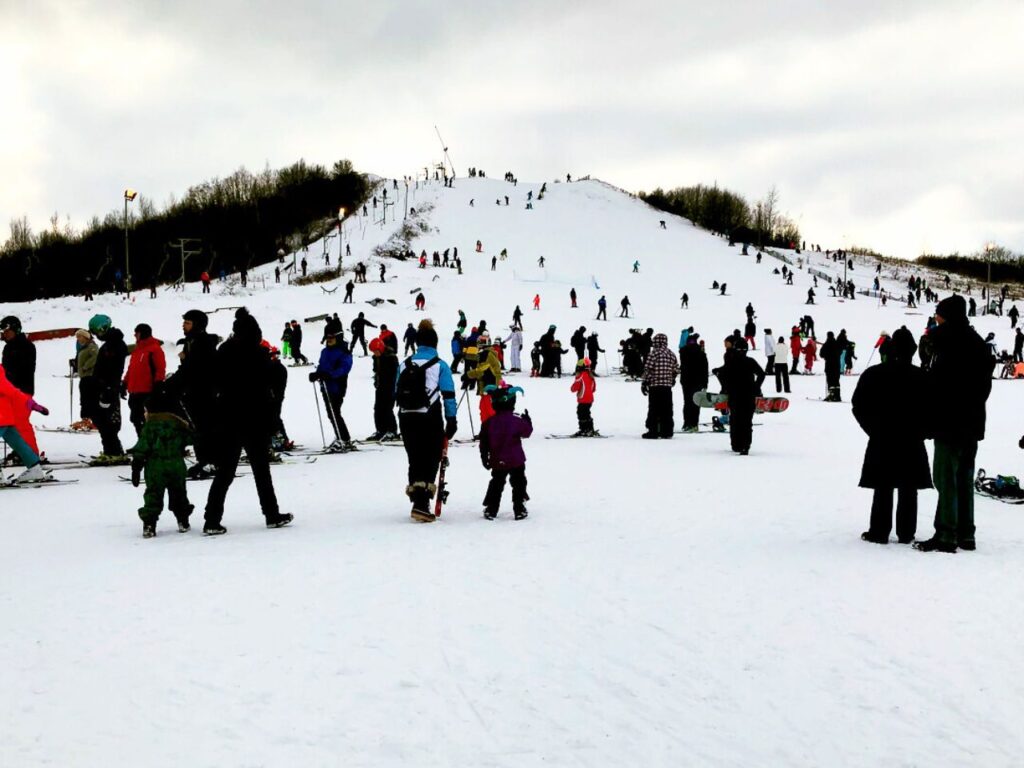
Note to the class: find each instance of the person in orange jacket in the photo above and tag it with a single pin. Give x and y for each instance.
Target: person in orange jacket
(796, 346)
(147, 367)
(15, 409)
(584, 386)
(205, 280)
(536, 301)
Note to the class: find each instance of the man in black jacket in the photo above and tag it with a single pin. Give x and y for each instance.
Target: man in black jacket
(385, 373)
(960, 380)
(830, 352)
(579, 342)
(693, 375)
(193, 384)
(108, 373)
(358, 328)
(19, 356)
(244, 387)
(741, 379)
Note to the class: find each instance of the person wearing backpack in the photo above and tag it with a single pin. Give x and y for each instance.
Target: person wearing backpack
(425, 393)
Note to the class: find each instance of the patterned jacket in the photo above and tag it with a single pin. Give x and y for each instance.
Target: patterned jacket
(662, 366)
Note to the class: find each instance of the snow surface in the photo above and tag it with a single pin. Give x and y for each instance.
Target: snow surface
(666, 603)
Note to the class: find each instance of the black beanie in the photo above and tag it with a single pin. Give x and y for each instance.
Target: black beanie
(952, 309)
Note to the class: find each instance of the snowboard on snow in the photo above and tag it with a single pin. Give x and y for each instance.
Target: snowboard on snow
(705, 399)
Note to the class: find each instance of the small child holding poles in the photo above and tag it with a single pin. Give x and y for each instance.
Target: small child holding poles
(584, 386)
(160, 451)
(501, 451)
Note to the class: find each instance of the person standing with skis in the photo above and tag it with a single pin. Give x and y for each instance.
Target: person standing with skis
(19, 355)
(385, 371)
(501, 451)
(332, 374)
(584, 386)
(830, 353)
(425, 393)
(15, 408)
(515, 342)
(109, 370)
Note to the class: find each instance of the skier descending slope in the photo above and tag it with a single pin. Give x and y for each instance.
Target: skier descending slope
(425, 393)
(243, 381)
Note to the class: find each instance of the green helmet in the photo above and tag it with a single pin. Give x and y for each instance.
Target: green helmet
(99, 324)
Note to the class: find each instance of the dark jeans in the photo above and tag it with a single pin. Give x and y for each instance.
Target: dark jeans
(137, 410)
(602, 313)
(108, 422)
(660, 419)
(423, 437)
(583, 416)
(361, 340)
(202, 414)
(333, 401)
(384, 410)
(297, 355)
(953, 474)
(741, 428)
(495, 488)
(257, 448)
(781, 377)
(906, 514)
(691, 411)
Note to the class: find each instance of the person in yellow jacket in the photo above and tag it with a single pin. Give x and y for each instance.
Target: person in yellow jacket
(485, 372)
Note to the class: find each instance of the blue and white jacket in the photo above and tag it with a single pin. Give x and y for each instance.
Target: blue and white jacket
(440, 383)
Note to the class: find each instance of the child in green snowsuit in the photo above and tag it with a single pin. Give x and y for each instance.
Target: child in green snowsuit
(161, 451)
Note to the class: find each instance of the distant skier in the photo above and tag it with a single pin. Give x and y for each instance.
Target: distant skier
(517, 317)
(572, 298)
(684, 301)
(536, 301)
(421, 302)
(810, 296)
(540, 262)
(625, 307)
(602, 308)
(722, 291)
(636, 267)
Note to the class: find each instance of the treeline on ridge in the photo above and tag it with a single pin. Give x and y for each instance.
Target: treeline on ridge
(237, 222)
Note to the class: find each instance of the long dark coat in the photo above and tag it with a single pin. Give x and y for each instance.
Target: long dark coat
(891, 404)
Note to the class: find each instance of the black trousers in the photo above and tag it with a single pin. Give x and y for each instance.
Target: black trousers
(137, 410)
(583, 416)
(691, 411)
(202, 414)
(361, 339)
(108, 422)
(257, 448)
(384, 410)
(660, 419)
(741, 427)
(423, 437)
(602, 313)
(333, 401)
(495, 488)
(781, 378)
(906, 513)
(297, 353)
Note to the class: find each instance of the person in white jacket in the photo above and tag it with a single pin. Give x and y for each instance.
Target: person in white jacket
(781, 366)
(769, 350)
(515, 342)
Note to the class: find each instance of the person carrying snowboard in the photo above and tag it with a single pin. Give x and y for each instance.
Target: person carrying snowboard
(425, 393)
(160, 452)
(584, 386)
(891, 405)
(501, 451)
(659, 378)
(741, 378)
(332, 373)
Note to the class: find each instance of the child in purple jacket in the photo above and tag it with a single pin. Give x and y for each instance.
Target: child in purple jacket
(501, 451)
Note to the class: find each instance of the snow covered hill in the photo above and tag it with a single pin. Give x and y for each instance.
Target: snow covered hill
(666, 602)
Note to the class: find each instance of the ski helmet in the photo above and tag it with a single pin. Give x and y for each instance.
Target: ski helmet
(100, 324)
(503, 398)
(10, 323)
(376, 345)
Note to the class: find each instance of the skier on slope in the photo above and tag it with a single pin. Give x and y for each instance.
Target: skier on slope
(625, 307)
(279, 440)
(602, 309)
(810, 350)
(517, 317)
(385, 371)
(584, 386)
(578, 342)
(593, 351)
(741, 377)
(501, 451)
(426, 416)
(659, 378)
(244, 408)
(515, 342)
(110, 363)
(830, 352)
(193, 384)
(693, 376)
(358, 329)
(84, 364)
(332, 372)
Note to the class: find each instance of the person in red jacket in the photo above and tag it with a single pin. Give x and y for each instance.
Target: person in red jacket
(15, 408)
(796, 346)
(584, 386)
(810, 354)
(147, 367)
(205, 280)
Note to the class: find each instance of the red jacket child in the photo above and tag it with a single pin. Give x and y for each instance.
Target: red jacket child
(584, 386)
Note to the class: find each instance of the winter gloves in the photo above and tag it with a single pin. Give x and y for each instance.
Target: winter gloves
(314, 376)
(450, 428)
(137, 472)
(34, 406)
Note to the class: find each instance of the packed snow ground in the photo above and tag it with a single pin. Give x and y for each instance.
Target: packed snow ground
(666, 603)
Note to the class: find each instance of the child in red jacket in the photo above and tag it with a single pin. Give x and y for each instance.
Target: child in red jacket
(584, 386)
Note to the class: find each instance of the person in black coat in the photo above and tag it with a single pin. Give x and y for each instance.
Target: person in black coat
(109, 371)
(830, 352)
(19, 356)
(890, 404)
(245, 402)
(741, 378)
(693, 376)
(193, 385)
(960, 381)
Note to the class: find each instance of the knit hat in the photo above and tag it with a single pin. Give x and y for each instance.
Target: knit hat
(426, 336)
(902, 344)
(952, 309)
(503, 398)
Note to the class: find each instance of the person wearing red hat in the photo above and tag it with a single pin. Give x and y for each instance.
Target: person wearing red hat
(385, 372)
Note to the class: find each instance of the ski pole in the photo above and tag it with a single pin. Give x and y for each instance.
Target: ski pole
(319, 417)
(71, 394)
(469, 409)
(330, 410)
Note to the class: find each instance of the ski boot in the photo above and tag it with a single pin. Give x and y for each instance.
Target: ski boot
(519, 510)
(717, 425)
(390, 437)
(420, 494)
(34, 474)
(279, 520)
(214, 529)
(375, 437)
(148, 530)
(183, 525)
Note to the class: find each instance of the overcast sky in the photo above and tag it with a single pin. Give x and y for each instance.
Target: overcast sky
(893, 125)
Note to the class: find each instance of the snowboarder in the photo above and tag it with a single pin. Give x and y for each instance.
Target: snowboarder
(147, 368)
(297, 356)
(244, 408)
(890, 403)
(584, 386)
(160, 451)
(19, 355)
(501, 451)
(358, 329)
(659, 378)
(425, 393)
(332, 373)
(693, 376)
(385, 371)
(741, 378)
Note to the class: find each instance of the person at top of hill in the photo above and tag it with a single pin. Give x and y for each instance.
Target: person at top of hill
(659, 377)
(891, 405)
(426, 417)
(741, 377)
(501, 451)
(584, 386)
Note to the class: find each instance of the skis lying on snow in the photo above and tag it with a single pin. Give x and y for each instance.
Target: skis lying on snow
(188, 479)
(576, 436)
(67, 430)
(8, 482)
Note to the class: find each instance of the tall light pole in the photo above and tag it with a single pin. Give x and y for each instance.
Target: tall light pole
(988, 281)
(129, 196)
(341, 236)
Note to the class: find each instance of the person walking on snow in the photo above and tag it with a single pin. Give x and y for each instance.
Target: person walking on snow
(625, 307)
(602, 309)
(536, 301)
(660, 371)
(636, 267)
(358, 328)
(501, 451)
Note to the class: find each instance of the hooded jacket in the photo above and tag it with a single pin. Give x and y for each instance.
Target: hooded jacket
(960, 379)
(662, 366)
(146, 367)
(110, 360)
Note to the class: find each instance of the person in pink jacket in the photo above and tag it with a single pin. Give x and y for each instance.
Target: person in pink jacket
(810, 354)
(15, 407)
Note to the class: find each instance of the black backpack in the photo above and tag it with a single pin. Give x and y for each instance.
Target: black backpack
(411, 393)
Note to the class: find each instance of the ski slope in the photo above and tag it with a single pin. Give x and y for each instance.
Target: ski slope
(666, 603)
